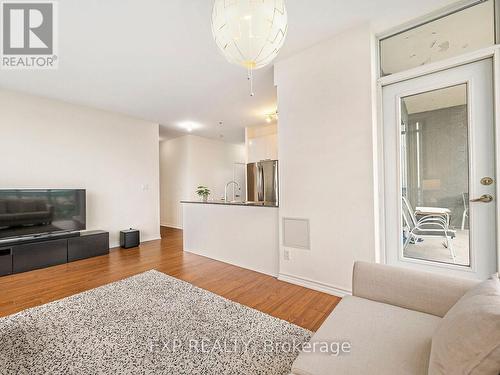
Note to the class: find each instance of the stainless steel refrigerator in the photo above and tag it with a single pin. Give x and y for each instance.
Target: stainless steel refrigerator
(263, 182)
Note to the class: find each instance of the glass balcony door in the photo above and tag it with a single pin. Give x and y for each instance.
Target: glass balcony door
(439, 167)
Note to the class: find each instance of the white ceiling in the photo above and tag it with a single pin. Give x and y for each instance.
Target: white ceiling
(437, 99)
(156, 59)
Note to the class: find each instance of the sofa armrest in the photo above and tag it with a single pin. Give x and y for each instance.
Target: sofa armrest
(415, 290)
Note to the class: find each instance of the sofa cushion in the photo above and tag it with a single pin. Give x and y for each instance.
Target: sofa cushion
(384, 339)
(14, 206)
(468, 338)
(3, 207)
(41, 206)
(28, 205)
(426, 292)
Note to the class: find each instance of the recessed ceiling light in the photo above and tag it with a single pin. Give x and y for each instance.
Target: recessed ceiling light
(189, 126)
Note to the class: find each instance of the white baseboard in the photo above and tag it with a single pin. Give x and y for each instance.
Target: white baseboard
(219, 259)
(315, 285)
(171, 225)
(154, 238)
(115, 244)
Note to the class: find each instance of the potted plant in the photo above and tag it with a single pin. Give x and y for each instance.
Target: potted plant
(203, 192)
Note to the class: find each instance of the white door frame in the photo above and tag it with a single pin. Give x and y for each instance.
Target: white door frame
(490, 52)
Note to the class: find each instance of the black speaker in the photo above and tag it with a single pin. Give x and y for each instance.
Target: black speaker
(129, 238)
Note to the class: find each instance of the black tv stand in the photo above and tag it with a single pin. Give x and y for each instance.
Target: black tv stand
(28, 253)
(37, 238)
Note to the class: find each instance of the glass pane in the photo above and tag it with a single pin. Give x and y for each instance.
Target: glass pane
(467, 30)
(435, 176)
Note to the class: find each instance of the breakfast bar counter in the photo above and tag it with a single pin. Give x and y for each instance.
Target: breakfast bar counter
(240, 233)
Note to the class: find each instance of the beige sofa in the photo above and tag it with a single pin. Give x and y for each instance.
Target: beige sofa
(389, 322)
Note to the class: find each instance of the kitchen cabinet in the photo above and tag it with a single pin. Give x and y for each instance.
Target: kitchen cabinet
(263, 148)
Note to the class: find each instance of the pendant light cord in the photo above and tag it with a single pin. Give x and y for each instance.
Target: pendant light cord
(250, 79)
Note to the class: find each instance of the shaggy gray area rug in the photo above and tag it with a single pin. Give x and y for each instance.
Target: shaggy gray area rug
(150, 323)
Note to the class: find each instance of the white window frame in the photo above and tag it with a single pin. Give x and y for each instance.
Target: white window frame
(434, 16)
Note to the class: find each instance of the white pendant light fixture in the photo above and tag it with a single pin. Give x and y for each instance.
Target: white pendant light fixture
(250, 33)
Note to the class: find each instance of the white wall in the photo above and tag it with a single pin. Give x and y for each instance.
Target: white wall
(174, 183)
(325, 97)
(50, 144)
(189, 161)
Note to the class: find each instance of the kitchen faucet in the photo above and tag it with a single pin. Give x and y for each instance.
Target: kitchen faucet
(234, 194)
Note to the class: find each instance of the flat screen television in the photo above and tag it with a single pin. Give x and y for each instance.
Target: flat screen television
(30, 212)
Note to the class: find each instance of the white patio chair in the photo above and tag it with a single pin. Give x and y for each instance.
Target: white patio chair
(432, 225)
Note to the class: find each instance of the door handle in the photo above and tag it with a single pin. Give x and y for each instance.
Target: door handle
(486, 198)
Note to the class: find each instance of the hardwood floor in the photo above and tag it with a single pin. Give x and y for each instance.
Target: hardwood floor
(301, 306)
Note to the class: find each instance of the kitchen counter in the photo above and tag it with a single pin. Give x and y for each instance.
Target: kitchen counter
(236, 233)
(246, 204)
